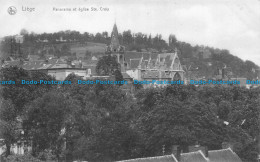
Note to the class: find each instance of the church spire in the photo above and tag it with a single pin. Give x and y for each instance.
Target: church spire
(114, 38)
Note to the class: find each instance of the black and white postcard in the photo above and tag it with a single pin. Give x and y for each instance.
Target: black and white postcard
(130, 81)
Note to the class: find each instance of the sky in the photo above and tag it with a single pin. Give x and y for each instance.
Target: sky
(223, 24)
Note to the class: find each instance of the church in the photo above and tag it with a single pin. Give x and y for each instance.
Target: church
(145, 65)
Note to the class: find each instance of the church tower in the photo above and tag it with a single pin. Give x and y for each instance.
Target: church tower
(114, 39)
(115, 49)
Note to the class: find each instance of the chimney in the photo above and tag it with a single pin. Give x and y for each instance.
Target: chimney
(206, 151)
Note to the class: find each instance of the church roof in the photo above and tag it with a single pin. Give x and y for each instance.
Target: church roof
(138, 55)
(134, 63)
(148, 60)
(167, 58)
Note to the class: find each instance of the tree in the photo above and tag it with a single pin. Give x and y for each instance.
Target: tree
(99, 38)
(104, 115)
(107, 65)
(184, 115)
(166, 130)
(108, 119)
(172, 41)
(48, 122)
(18, 93)
(24, 32)
(8, 124)
(127, 37)
(118, 76)
(13, 99)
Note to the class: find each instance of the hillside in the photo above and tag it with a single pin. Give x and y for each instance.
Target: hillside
(91, 47)
(200, 61)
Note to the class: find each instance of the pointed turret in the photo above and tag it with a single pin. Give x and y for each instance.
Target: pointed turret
(114, 39)
(115, 49)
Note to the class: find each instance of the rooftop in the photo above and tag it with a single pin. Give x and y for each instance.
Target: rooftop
(166, 158)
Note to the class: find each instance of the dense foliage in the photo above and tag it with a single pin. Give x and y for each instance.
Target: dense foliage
(107, 65)
(104, 123)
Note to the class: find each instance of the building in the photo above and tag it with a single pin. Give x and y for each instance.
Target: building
(116, 50)
(19, 38)
(159, 66)
(197, 156)
(166, 158)
(145, 65)
(223, 155)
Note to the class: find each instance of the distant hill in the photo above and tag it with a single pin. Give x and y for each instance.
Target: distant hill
(200, 61)
(206, 61)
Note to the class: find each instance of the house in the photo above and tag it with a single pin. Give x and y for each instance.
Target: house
(223, 155)
(166, 158)
(197, 156)
(19, 38)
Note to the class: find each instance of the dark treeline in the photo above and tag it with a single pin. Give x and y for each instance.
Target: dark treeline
(103, 123)
(133, 41)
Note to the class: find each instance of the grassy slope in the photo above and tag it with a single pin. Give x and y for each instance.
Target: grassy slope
(91, 47)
